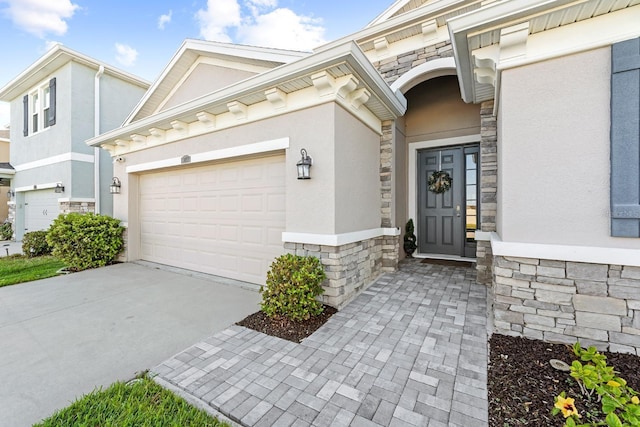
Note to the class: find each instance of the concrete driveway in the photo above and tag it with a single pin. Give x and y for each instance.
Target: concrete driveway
(62, 337)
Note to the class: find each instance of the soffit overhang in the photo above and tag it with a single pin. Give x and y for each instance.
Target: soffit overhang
(55, 58)
(342, 74)
(188, 54)
(507, 34)
(422, 20)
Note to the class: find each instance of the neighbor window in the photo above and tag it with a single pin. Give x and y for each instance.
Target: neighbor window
(40, 108)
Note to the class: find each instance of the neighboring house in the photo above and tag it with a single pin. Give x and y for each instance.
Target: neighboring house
(518, 101)
(56, 104)
(6, 175)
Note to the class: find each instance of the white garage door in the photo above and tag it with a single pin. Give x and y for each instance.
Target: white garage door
(225, 219)
(40, 209)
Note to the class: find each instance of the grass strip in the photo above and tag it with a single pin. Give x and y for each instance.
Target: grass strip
(19, 268)
(140, 403)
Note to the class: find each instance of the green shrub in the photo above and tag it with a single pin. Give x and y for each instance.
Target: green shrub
(34, 243)
(85, 240)
(293, 283)
(6, 232)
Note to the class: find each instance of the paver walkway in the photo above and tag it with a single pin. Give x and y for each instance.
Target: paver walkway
(410, 350)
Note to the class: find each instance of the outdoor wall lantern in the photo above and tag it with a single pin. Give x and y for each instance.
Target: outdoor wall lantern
(114, 188)
(304, 165)
(59, 188)
(10, 194)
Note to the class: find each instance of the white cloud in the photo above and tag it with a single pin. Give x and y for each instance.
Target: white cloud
(50, 44)
(126, 55)
(164, 20)
(259, 23)
(40, 17)
(217, 18)
(284, 29)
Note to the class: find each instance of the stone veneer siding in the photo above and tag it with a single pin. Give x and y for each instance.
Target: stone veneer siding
(393, 67)
(488, 189)
(78, 207)
(349, 268)
(563, 301)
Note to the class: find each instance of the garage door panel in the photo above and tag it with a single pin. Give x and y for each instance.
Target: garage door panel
(225, 219)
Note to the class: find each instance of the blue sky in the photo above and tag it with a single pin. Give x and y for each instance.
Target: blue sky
(141, 36)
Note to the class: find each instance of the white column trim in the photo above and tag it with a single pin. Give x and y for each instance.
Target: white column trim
(338, 239)
(224, 153)
(586, 254)
(430, 69)
(66, 157)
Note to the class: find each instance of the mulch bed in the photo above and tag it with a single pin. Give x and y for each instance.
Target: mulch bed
(284, 328)
(522, 384)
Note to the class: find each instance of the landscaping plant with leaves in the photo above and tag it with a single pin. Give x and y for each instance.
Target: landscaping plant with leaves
(85, 241)
(293, 283)
(620, 403)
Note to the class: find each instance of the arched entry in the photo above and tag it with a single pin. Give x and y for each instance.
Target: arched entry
(442, 133)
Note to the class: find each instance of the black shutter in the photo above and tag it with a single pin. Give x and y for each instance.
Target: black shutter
(625, 139)
(52, 101)
(25, 115)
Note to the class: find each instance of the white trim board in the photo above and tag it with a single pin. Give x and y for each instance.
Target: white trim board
(224, 153)
(36, 187)
(338, 239)
(586, 254)
(66, 157)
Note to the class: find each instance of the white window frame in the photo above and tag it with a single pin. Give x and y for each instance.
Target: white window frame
(42, 97)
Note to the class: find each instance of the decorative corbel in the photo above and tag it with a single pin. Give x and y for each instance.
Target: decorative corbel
(122, 143)
(180, 126)
(324, 83)
(359, 97)
(429, 30)
(485, 70)
(513, 41)
(346, 85)
(157, 133)
(238, 109)
(139, 139)
(381, 45)
(277, 98)
(208, 119)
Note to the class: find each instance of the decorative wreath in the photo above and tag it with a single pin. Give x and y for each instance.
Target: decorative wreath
(439, 182)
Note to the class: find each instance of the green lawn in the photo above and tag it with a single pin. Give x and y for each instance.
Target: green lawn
(142, 403)
(19, 269)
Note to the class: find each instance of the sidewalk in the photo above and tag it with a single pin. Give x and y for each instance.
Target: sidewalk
(410, 350)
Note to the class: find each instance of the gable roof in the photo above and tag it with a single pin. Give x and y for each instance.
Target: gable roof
(188, 54)
(343, 74)
(397, 8)
(55, 58)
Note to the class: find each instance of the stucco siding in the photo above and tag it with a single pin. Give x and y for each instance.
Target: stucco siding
(204, 78)
(82, 106)
(554, 152)
(51, 141)
(357, 174)
(312, 129)
(436, 111)
(117, 100)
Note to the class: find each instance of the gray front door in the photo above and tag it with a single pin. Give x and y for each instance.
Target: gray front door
(441, 215)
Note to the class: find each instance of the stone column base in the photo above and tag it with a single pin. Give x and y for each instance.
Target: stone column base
(563, 301)
(352, 267)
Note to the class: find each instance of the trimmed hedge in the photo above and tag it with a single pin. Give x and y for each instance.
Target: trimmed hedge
(293, 283)
(85, 241)
(34, 243)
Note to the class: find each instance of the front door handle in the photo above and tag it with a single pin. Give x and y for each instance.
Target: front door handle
(458, 210)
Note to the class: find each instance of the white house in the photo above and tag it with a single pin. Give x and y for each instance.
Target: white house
(527, 109)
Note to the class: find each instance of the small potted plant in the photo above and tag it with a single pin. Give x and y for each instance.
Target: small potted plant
(409, 239)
